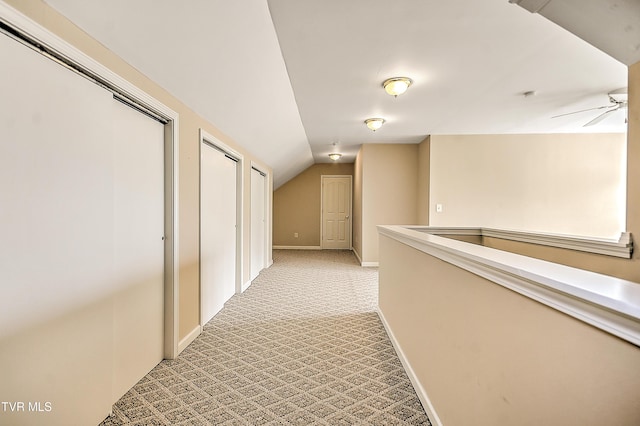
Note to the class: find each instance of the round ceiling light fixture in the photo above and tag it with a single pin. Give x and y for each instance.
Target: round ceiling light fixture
(397, 85)
(374, 123)
(335, 156)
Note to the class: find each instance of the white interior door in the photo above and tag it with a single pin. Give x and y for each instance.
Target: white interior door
(217, 230)
(336, 212)
(257, 222)
(139, 245)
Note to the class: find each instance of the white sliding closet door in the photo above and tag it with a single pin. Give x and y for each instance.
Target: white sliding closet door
(257, 222)
(217, 230)
(56, 244)
(139, 247)
(81, 252)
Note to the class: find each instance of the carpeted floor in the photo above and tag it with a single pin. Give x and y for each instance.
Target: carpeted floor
(303, 345)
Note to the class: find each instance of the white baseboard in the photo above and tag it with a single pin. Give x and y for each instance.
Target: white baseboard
(417, 386)
(364, 264)
(245, 286)
(189, 338)
(297, 248)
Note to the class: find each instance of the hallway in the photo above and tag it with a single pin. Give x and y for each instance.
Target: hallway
(303, 345)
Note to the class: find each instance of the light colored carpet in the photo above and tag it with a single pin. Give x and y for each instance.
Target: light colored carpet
(303, 345)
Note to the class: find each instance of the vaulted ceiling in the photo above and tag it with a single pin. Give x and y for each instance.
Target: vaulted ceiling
(288, 79)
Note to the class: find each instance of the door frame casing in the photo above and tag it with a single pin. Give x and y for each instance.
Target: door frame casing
(207, 138)
(350, 231)
(266, 218)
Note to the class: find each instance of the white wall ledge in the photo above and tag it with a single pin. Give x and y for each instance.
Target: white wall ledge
(622, 247)
(608, 303)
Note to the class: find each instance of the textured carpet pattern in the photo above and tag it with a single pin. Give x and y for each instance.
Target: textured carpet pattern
(303, 345)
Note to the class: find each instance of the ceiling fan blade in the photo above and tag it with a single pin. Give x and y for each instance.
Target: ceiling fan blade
(600, 117)
(583, 110)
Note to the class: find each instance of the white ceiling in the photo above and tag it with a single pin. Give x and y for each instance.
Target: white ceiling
(613, 26)
(287, 79)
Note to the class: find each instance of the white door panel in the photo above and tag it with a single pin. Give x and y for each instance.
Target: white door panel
(139, 245)
(257, 222)
(217, 230)
(336, 212)
(81, 215)
(56, 249)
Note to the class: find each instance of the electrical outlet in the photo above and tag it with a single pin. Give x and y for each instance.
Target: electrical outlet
(438, 208)
(295, 235)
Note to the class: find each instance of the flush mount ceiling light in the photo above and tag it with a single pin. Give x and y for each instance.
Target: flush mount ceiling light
(374, 123)
(397, 85)
(335, 156)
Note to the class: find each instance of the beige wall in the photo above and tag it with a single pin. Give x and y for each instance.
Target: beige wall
(389, 191)
(31, 372)
(628, 269)
(357, 206)
(296, 206)
(561, 183)
(608, 265)
(486, 355)
(424, 182)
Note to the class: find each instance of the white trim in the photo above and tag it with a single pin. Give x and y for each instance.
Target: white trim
(267, 216)
(417, 386)
(296, 248)
(364, 264)
(209, 138)
(189, 338)
(608, 303)
(246, 285)
(270, 212)
(172, 249)
(444, 230)
(65, 50)
(355, 252)
(622, 247)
